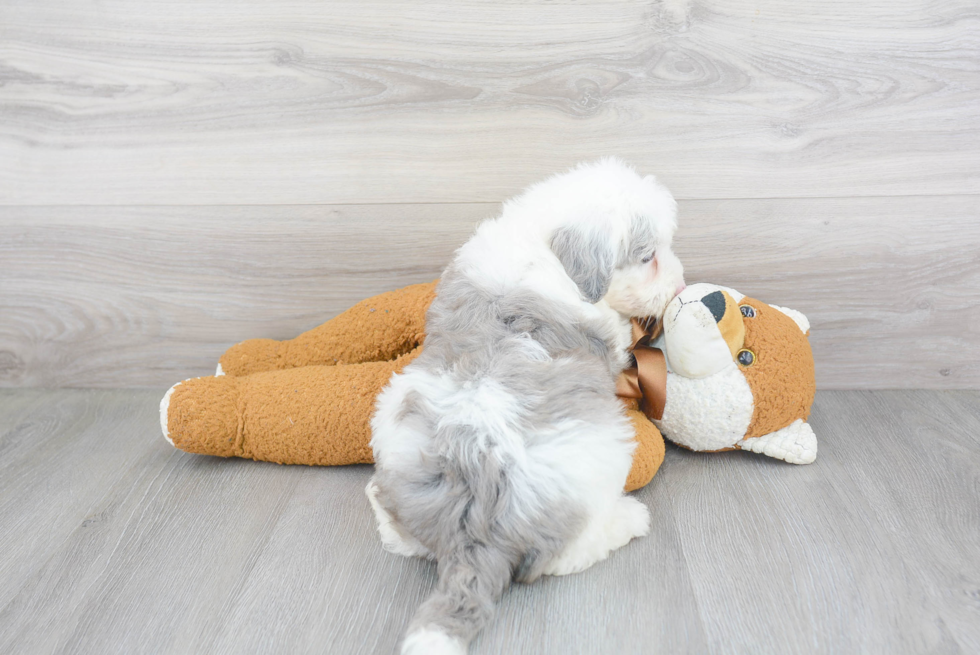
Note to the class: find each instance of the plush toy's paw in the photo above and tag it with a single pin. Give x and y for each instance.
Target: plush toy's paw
(252, 356)
(649, 453)
(796, 443)
(200, 415)
(165, 410)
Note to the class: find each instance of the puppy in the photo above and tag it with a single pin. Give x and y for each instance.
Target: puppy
(502, 451)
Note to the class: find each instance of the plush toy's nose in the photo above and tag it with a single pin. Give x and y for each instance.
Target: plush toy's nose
(715, 302)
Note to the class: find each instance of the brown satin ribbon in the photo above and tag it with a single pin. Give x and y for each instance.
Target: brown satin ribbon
(647, 381)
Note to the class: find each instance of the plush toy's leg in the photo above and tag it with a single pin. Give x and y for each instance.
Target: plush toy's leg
(376, 329)
(796, 443)
(314, 415)
(310, 415)
(649, 453)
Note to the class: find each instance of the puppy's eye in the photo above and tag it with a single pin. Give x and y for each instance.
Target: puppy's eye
(648, 258)
(745, 357)
(747, 311)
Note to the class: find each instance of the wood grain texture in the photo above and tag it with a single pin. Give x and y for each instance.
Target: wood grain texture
(891, 285)
(847, 567)
(924, 503)
(122, 296)
(114, 297)
(206, 102)
(121, 544)
(61, 454)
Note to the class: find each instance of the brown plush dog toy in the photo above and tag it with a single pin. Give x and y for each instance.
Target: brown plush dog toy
(723, 372)
(737, 375)
(309, 400)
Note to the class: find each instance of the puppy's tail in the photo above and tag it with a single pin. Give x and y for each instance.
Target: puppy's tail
(471, 580)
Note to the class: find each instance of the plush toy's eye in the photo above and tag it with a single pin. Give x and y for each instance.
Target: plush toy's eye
(648, 258)
(745, 357)
(748, 311)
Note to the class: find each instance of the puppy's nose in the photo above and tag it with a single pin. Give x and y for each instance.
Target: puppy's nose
(715, 302)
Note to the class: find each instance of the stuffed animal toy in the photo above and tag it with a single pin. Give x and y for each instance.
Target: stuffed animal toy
(736, 374)
(726, 372)
(309, 400)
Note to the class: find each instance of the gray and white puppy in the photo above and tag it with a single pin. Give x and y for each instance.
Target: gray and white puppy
(502, 451)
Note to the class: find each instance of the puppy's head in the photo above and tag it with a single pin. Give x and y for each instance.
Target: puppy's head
(614, 240)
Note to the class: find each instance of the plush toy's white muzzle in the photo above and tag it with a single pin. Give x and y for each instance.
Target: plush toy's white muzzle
(695, 345)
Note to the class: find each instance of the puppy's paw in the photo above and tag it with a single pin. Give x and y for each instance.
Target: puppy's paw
(569, 562)
(633, 520)
(628, 518)
(393, 538)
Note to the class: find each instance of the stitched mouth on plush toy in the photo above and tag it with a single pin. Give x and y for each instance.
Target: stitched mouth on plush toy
(680, 309)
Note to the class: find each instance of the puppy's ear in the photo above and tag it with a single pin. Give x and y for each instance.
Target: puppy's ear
(588, 259)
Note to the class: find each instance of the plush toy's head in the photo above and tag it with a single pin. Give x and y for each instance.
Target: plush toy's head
(738, 368)
(704, 330)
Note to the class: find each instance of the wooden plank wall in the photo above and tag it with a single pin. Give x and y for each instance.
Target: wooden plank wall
(175, 177)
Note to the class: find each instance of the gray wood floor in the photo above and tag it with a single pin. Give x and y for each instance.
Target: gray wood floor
(113, 542)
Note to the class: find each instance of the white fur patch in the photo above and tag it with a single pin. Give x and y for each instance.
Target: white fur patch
(218, 372)
(796, 443)
(707, 413)
(429, 641)
(604, 533)
(397, 440)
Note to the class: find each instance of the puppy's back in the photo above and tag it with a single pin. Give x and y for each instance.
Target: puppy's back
(506, 392)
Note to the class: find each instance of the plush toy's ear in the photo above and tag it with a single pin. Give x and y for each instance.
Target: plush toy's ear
(588, 258)
(797, 317)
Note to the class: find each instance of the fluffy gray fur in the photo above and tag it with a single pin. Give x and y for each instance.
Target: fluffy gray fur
(459, 503)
